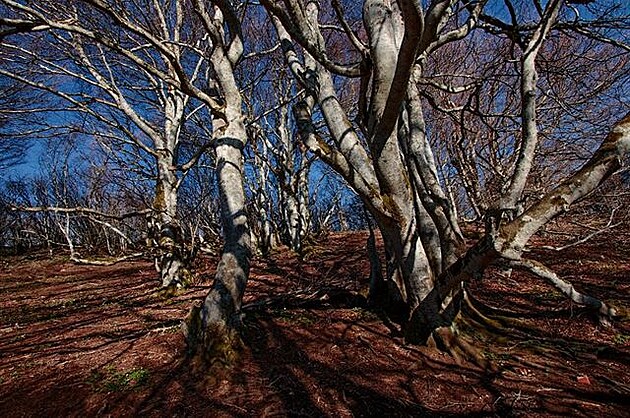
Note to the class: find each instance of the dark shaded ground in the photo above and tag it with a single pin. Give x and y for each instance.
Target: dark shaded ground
(98, 341)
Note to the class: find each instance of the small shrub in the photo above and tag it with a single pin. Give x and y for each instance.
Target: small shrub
(294, 317)
(621, 339)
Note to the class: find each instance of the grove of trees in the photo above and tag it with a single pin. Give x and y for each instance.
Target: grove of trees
(168, 126)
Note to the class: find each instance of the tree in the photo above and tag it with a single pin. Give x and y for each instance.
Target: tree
(278, 153)
(387, 157)
(136, 70)
(212, 328)
(149, 39)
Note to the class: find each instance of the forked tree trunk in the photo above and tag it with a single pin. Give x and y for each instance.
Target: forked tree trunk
(506, 241)
(425, 273)
(380, 179)
(409, 258)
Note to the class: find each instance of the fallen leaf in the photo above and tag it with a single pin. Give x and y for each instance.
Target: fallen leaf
(583, 379)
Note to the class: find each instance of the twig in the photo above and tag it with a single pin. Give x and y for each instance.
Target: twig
(80, 211)
(103, 262)
(288, 297)
(608, 226)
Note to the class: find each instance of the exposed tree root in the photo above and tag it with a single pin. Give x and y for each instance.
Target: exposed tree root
(448, 339)
(474, 316)
(481, 318)
(603, 311)
(466, 313)
(488, 317)
(442, 329)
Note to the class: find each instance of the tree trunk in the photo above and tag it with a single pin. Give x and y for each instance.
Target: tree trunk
(302, 192)
(165, 233)
(396, 176)
(263, 234)
(212, 329)
(293, 178)
(529, 129)
(164, 230)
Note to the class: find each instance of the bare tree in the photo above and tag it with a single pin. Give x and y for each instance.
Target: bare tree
(387, 158)
(135, 66)
(212, 328)
(144, 40)
(280, 154)
(369, 98)
(72, 203)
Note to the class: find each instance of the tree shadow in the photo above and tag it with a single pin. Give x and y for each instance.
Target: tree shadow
(297, 378)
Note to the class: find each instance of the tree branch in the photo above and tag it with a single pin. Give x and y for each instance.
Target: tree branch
(81, 211)
(605, 313)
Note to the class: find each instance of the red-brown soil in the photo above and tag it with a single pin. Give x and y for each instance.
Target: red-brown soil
(99, 341)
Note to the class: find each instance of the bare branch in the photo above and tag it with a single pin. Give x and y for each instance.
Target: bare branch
(82, 211)
(298, 29)
(605, 313)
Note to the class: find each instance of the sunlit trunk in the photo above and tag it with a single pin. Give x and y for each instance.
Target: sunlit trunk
(391, 167)
(264, 237)
(170, 259)
(212, 328)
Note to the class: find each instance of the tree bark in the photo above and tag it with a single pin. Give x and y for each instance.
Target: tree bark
(529, 128)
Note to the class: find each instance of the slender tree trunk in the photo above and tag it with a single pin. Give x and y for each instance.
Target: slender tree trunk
(164, 230)
(264, 239)
(293, 179)
(529, 129)
(301, 190)
(170, 258)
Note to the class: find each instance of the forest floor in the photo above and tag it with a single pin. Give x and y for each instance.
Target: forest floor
(80, 340)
